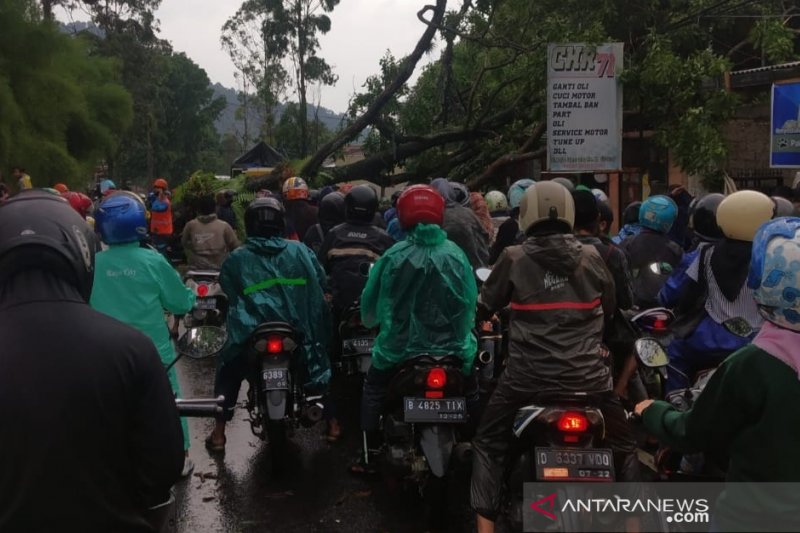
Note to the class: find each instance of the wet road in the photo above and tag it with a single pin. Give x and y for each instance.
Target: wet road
(238, 492)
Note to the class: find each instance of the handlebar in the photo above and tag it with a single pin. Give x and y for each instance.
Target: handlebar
(200, 407)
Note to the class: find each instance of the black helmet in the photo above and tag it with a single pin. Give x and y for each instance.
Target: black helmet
(704, 217)
(606, 214)
(331, 210)
(783, 207)
(631, 213)
(361, 203)
(39, 230)
(264, 217)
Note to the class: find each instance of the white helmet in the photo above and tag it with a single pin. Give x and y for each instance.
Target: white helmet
(496, 201)
(740, 214)
(600, 195)
(546, 201)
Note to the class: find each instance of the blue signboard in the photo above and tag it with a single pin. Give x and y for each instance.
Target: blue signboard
(785, 128)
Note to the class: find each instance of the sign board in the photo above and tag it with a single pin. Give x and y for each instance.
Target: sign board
(584, 107)
(785, 126)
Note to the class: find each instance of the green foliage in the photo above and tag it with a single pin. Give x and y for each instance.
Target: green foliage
(61, 110)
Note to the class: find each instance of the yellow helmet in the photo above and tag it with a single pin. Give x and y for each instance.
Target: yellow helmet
(740, 214)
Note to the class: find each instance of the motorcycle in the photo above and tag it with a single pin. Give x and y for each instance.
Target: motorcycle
(276, 399)
(211, 304)
(558, 437)
(653, 326)
(490, 339)
(426, 409)
(357, 343)
(357, 339)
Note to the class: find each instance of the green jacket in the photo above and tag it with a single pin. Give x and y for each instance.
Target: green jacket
(422, 294)
(135, 285)
(748, 411)
(278, 280)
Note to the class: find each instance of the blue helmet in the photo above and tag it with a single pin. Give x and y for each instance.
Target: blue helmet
(517, 191)
(121, 219)
(775, 271)
(658, 213)
(107, 185)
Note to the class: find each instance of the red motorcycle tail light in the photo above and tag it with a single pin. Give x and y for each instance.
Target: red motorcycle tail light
(274, 344)
(572, 422)
(437, 378)
(202, 290)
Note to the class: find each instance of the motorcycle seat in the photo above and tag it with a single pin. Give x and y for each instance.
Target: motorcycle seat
(556, 397)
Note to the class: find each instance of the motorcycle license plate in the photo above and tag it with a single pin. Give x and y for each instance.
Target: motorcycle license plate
(570, 464)
(425, 410)
(206, 304)
(276, 378)
(363, 345)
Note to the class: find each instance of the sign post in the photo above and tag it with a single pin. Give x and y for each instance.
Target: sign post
(584, 107)
(785, 126)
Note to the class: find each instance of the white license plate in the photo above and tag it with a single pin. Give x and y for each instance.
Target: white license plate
(426, 410)
(206, 304)
(275, 378)
(362, 345)
(573, 464)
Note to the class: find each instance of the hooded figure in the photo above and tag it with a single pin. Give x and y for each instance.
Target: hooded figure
(462, 226)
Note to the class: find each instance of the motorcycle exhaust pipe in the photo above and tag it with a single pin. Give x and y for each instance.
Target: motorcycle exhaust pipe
(311, 413)
(485, 357)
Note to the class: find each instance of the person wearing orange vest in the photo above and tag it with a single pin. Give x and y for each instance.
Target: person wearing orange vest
(160, 214)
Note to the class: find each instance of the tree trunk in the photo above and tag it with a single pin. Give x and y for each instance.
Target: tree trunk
(403, 74)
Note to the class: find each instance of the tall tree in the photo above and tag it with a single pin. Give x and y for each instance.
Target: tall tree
(61, 108)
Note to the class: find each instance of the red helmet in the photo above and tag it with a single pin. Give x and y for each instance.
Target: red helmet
(161, 183)
(420, 204)
(79, 202)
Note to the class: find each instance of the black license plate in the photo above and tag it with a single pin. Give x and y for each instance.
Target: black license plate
(426, 410)
(571, 464)
(275, 378)
(362, 345)
(206, 304)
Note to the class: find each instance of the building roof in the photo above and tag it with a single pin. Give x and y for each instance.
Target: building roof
(755, 77)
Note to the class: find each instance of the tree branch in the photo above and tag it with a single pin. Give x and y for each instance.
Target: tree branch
(404, 73)
(523, 154)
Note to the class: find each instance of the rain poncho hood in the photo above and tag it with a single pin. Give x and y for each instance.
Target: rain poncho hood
(277, 280)
(422, 294)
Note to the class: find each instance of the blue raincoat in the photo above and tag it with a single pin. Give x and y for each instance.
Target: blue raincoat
(278, 280)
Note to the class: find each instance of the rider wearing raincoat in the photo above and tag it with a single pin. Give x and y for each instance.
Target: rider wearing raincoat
(134, 284)
(422, 294)
(270, 279)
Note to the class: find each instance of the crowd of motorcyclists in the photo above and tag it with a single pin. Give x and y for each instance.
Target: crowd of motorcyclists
(562, 284)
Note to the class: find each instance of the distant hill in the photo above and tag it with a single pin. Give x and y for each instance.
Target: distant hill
(227, 122)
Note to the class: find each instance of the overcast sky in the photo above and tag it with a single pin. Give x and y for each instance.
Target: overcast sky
(362, 30)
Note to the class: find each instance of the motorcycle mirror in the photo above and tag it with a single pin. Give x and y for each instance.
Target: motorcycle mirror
(202, 341)
(364, 268)
(738, 326)
(661, 268)
(482, 273)
(651, 353)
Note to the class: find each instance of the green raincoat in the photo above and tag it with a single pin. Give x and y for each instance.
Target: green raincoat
(135, 285)
(278, 280)
(422, 294)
